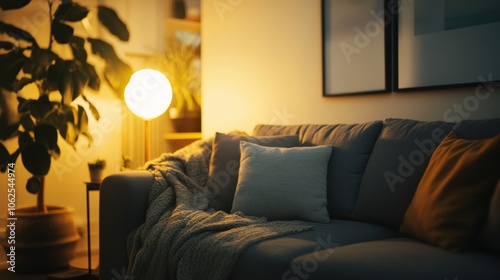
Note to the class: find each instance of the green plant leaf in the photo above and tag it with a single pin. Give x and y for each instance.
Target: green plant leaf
(77, 45)
(94, 80)
(80, 80)
(102, 49)
(24, 105)
(33, 185)
(110, 19)
(6, 45)
(116, 72)
(56, 152)
(27, 122)
(12, 63)
(4, 157)
(93, 109)
(69, 132)
(71, 80)
(46, 135)
(41, 108)
(83, 119)
(13, 4)
(64, 82)
(17, 33)
(62, 32)
(24, 140)
(51, 83)
(9, 117)
(70, 11)
(18, 85)
(36, 159)
(38, 63)
(89, 137)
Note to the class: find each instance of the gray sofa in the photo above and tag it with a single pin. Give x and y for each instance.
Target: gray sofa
(373, 174)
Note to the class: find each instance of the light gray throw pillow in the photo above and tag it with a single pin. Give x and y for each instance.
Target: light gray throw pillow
(283, 183)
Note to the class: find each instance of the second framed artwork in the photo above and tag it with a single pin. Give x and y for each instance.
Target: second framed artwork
(447, 43)
(399, 45)
(356, 47)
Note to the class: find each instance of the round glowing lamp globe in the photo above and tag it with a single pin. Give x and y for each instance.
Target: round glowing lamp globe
(148, 93)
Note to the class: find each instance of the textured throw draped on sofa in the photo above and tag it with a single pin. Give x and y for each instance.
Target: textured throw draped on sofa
(182, 238)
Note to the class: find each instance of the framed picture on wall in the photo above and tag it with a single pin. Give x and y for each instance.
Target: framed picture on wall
(356, 47)
(443, 43)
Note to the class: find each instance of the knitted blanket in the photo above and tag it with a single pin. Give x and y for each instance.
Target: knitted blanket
(182, 238)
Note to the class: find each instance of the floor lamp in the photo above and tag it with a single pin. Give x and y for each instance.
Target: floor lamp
(148, 95)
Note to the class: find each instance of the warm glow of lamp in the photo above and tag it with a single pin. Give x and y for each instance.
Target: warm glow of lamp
(148, 95)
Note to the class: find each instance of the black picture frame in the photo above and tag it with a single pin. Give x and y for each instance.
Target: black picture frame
(458, 44)
(373, 22)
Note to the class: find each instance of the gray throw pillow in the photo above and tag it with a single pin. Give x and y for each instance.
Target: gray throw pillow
(283, 183)
(225, 163)
(352, 145)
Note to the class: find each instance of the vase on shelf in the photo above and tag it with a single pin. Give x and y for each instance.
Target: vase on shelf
(179, 9)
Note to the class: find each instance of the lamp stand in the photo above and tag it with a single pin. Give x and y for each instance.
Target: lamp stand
(147, 138)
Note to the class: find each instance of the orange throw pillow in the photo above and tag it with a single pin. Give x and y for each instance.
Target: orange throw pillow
(451, 202)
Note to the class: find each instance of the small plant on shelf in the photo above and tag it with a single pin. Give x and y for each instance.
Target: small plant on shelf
(96, 168)
(97, 164)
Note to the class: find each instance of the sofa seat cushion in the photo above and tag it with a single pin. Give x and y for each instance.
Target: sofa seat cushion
(352, 145)
(395, 259)
(269, 259)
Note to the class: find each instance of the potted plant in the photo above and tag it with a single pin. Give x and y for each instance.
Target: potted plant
(181, 65)
(96, 169)
(46, 235)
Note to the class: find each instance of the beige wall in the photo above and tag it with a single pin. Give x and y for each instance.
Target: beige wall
(262, 64)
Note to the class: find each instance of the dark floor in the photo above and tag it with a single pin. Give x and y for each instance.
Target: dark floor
(64, 274)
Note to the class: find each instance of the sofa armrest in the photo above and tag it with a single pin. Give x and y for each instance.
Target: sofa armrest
(122, 208)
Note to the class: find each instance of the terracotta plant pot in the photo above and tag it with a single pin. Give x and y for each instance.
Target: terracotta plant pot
(43, 241)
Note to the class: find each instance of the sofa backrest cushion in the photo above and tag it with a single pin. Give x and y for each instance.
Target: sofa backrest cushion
(352, 145)
(398, 161)
(477, 129)
(225, 163)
